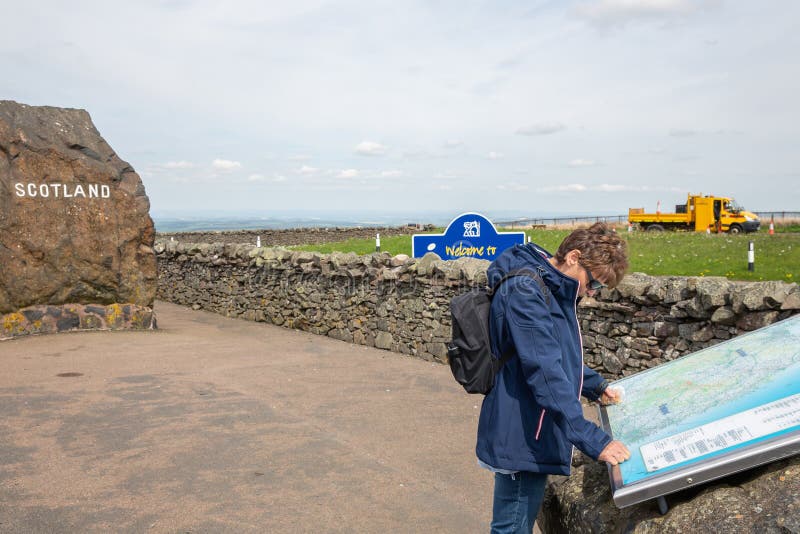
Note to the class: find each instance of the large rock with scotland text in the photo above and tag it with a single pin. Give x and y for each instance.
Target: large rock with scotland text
(74, 225)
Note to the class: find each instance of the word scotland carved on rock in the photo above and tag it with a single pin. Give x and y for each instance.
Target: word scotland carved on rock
(76, 236)
(61, 190)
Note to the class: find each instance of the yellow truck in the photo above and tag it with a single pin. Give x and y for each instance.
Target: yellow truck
(699, 214)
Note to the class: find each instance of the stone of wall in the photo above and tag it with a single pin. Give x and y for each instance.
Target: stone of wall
(648, 320)
(291, 236)
(402, 304)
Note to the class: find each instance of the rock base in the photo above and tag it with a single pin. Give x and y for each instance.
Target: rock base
(761, 500)
(46, 319)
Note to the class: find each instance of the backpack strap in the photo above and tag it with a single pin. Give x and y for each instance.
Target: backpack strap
(536, 275)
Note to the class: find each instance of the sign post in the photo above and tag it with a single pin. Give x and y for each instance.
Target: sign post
(470, 235)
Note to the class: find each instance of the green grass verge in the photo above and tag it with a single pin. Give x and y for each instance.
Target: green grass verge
(667, 253)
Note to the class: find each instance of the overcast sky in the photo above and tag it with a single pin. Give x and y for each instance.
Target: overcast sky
(528, 106)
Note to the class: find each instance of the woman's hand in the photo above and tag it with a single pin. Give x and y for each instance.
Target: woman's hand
(614, 453)
(611, 395)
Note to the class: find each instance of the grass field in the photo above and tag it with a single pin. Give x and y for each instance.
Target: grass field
(777, 257)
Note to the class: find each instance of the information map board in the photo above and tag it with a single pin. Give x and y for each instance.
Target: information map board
(709, 414)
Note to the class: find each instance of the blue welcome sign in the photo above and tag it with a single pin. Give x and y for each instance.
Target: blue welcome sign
(470, 235)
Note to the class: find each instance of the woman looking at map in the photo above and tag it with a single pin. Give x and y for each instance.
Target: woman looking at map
(533, 416)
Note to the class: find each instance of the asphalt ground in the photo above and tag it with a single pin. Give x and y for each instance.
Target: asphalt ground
(212, 424)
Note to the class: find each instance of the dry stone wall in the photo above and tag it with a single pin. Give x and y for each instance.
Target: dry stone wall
(401, 304)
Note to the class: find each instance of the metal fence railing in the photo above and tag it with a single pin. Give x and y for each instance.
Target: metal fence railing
(544, 221)
(767, 215)
(534, 222)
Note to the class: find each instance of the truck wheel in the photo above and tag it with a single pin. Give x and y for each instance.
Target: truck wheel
(735, 229)
(655, 228)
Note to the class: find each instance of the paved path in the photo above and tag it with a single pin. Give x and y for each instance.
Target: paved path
(219, 425)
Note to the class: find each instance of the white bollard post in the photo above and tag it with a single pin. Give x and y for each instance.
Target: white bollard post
(377, 242)
(751, 257)
(258, 241)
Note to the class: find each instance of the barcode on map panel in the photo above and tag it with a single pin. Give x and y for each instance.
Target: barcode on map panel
(723, 433)
(700, 447)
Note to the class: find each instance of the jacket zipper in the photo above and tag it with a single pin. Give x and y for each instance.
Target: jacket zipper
(541, 420)
(541, 417)
(580, 342)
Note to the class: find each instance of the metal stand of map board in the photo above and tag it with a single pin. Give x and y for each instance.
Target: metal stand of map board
(724, 409)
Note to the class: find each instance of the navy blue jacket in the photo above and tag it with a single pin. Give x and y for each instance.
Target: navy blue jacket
(533, 415)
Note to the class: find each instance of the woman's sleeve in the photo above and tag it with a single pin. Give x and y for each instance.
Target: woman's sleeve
(593, 384)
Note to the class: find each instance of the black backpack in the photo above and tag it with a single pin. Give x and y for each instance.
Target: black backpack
(470, 351)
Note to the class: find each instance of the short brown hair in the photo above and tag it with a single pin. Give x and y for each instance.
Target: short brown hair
(602, 252)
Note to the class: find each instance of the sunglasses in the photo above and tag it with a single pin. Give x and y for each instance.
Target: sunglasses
(593, 284)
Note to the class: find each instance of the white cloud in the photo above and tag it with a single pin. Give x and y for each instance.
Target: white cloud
(307, 170)
(178, 165)
(623, 11)
(613, 188)
(299, 157)
(421, 154)
(391, 174)
(495, 155)
(606, 188)
(682, 132)
(573, 188)
(453, 143)
(262, 178)
(545, 128)
(370, 148)
(581, 163)
(513, 186)
(225, 165)
(348, 173)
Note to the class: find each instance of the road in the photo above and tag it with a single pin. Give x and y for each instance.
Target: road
(212, 424)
